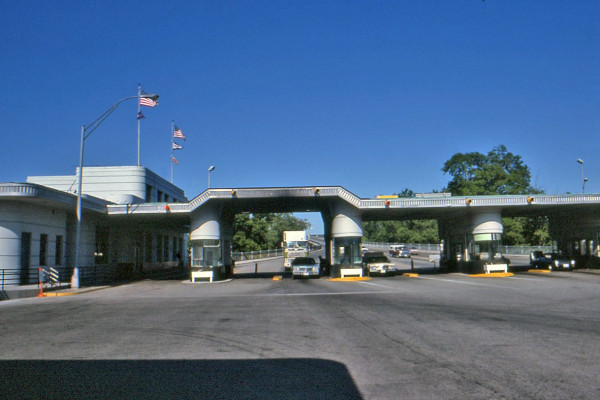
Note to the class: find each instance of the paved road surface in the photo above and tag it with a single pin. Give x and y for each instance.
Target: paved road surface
(450, 336)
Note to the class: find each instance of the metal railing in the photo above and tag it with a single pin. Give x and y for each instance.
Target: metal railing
(255, 255)
(10, 277)
(517, 250)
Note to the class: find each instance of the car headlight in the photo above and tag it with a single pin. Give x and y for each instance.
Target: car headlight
(556, 262)
(573, 262)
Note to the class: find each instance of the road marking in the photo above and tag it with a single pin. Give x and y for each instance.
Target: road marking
(463, 282)
(311, 294)
(523, 279)
(375, 284)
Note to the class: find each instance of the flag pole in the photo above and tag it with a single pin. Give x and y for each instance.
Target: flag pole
(172, 141)
(138, 121)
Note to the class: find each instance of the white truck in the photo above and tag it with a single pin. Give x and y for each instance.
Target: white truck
(295, 244)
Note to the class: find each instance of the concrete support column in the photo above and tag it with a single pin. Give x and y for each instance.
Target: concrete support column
(327, 220)
(206, 239)
(576, 234)
(471, 240)
(346, 233)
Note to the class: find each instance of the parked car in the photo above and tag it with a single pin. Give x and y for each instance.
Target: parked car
(551, 261)
(305, 266)
(375, 262)
(414, 251)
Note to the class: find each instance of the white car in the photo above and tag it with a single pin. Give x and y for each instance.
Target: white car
(305, 266)
(375, 262)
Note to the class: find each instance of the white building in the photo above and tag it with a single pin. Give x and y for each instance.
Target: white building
(38, 224)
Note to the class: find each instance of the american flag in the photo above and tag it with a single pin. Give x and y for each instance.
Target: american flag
(144, 101)
(174, 160)
(176, 146)
(177, 133)
(148, 102)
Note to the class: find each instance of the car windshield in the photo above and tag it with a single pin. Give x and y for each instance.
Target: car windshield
(377, 259)
(303, 261)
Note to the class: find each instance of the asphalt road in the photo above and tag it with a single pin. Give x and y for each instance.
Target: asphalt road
(436, 336)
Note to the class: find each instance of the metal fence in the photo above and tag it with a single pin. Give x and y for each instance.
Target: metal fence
(10, 277)
(255, 255)
(258, 254)
(522, 250)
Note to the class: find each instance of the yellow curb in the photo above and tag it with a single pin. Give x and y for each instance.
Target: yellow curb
(277, 278)
(350, 279)
(49, 294)
(540, 271)
(410, 274)
(492, 275)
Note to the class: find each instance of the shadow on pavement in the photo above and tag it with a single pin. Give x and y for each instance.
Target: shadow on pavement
(261, 275)
(176, 379)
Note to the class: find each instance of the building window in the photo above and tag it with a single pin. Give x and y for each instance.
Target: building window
(206, 253)
(148, 243)
(59, 250)
(175, 249)
(160, 196)
(43, 248)
(148, 194)
(25, 257)
(346, 251)
(159, 248)
(166, 248)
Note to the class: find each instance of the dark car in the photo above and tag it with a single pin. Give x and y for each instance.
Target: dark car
(551, 261)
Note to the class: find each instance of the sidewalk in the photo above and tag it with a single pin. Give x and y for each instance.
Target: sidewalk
(24, 291)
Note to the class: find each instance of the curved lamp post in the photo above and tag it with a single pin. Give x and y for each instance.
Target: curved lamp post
(86, 131)
(210, 169)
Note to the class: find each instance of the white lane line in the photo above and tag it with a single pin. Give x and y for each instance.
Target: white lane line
(374, 284)
(523, 279)
(464, 283)
(310, 294)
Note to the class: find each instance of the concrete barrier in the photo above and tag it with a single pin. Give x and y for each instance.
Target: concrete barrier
(351, 272)
(202, 275)
(488, 268)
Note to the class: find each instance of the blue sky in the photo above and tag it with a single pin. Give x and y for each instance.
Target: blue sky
(371, 95)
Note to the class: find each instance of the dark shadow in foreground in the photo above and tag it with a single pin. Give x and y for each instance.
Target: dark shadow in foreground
(176, 379)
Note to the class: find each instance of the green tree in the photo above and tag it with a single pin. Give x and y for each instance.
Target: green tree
(263, 231)
(413, 231)
(498, 172)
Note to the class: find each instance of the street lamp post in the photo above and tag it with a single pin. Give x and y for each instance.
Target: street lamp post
(210, 169)
(583, 180)
(86, 131)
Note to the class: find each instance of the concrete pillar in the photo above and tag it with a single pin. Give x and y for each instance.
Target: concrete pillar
(346, 233)
(576, 234)
(471, 240)
(327, 219)
(206, 240)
